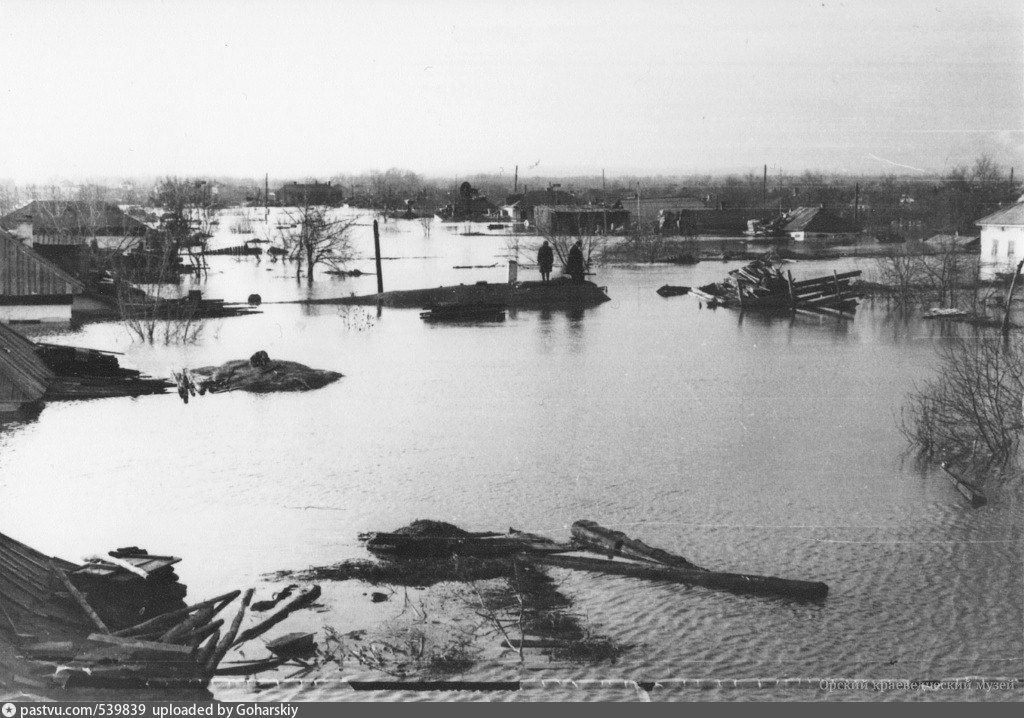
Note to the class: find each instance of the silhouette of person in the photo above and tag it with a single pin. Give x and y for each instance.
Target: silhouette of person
(545, 260)
(574, 266)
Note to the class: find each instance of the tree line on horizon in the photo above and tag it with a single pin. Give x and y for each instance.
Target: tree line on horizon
(884, 204)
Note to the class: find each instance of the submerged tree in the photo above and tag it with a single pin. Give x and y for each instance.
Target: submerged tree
(971, 411)
(319, 236)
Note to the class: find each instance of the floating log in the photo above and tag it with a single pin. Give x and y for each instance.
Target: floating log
(615, 543)
(969, 491)
(669, 290)
(300, 601)
(733, 582)
(199, 618)
(229, 637)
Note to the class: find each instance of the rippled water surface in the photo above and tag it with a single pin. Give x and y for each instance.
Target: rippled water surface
(744, 443)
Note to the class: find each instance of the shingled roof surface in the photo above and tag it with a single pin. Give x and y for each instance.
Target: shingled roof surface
(1010, 215)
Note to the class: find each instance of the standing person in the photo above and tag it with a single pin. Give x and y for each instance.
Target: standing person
(574, 266)
(545, 260)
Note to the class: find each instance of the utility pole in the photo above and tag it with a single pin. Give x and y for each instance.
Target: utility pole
(604, 185)
(764, 190)
(856, 202)
(376, 250)
(266, 195)
(638, 207)
(515, 183)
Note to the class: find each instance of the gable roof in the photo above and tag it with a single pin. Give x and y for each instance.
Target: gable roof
(1012, 215)
(74, 218)
(817, 219)
(24, 273)
(23, 375)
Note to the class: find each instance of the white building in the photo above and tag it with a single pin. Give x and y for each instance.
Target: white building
(1002, 240)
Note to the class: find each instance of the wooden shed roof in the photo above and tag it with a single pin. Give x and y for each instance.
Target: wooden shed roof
(1010, 216)
(24, 273)
(23, 375)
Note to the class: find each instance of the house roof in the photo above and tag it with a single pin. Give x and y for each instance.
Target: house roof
(1012, 215)
(579, 209)
(23, 375)
(24, 273)
(951, 239)
(74, 217)
(817, 219)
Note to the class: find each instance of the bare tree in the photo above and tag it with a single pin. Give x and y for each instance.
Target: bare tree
(594, 247)
(971, 411)
(319, 236)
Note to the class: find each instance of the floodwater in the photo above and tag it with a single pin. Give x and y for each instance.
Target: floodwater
(765, 445)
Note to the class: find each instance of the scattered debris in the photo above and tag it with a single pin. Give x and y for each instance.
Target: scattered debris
(761, 285)
(119, 620)
(91, 374)
(669, 290)
(259, 374)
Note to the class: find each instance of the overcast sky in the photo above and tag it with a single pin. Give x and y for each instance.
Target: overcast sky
(306, 88)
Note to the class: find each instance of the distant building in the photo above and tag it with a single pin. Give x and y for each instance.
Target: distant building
(580, 220)
(805, 223)
(650, 212)
(33, 288)
(295, 194)
(469, 205)
(74, 223)
(520, 207)
(1002, 240)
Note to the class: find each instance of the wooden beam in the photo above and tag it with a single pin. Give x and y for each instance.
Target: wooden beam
(79, 598)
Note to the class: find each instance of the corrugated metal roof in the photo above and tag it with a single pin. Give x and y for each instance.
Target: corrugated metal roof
(1013, 215)
(23, 273)
(23, 375)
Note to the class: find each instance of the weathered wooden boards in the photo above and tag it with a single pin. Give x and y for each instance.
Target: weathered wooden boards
(761, 286)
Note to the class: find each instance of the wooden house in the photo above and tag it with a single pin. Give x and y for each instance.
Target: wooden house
(580, 220)
(24, 377)
(33, 288)
(818, 223)
(1002, 240)
(295, 194)
(74, 223)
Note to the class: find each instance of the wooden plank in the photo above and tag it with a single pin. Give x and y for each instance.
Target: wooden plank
(300, 601)
(826, 279)
(77, 595)
(229, 637)
(733, 582)
(590, 533)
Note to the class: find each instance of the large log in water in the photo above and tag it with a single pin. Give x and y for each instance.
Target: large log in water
(592, 534)
(733, 582)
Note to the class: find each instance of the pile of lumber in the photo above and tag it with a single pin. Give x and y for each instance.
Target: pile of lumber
(761, 285)
(129, 585)
(90, 374)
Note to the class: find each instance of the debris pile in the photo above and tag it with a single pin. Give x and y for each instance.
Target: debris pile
(259, 374)
(90, 374)
(761, 285)
(120, 621)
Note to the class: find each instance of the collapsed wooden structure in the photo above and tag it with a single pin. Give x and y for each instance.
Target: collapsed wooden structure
(761, 286)
(116, 621)
(636, 559)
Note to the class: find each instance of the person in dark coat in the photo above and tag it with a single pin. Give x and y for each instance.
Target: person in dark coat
(545, 260)
(574, 266)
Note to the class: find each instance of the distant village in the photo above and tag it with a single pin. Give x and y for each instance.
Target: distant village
(61, 247)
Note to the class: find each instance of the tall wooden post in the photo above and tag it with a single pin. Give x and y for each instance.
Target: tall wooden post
(1009, 297)
(764, 190)
(856, 202)
(792, 294)
(376, 251)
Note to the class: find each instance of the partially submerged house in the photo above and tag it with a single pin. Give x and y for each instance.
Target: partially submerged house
(24, 377)
(32, 288)
(955, 242)
(64, 231)
(295, 194)
(580, 220)
(469, 205)
(1002, 240)
(818, 223)
(520, 207)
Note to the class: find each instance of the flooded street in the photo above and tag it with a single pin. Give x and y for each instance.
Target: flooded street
(745, 443)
